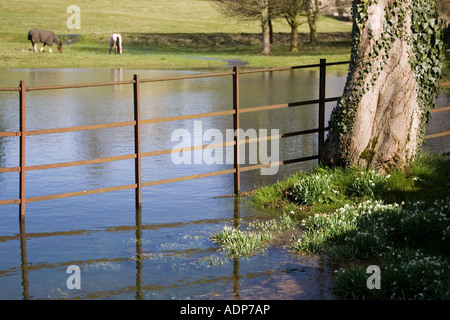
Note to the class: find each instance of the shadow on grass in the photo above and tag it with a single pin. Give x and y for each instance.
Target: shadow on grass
(427, 179)
(232, 42)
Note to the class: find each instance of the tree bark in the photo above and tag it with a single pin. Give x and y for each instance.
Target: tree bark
(294, 38)
(313, 10)
(381, 129)
(251, 10)
(265, 25)
(294, 23)
(292, 10)
(271, 31)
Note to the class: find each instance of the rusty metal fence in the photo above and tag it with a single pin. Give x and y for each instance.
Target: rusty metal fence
(138, 184)
(137, 123)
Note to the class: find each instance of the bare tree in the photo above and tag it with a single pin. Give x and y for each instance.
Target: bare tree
(313, 12)
(292, 11)
(395, 67)
(251, 10)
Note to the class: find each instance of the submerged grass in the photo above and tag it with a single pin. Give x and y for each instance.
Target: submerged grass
(399, 221)
(257, 236)
(239, 243)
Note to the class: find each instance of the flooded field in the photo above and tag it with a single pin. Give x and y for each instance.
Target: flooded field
(163, 251)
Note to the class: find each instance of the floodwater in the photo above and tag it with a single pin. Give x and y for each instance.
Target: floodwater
(163, 251)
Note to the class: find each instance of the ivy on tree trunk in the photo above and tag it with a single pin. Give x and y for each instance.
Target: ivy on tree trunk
(395, 66)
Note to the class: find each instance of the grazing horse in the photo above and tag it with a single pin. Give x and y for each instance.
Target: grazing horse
(44, 36)
(115, 41)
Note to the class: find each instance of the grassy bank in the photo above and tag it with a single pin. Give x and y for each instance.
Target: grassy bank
(399, 221)
(161, 34)
(176, 51)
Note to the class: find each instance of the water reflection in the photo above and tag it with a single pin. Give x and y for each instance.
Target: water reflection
(24, 263)
(197, 279)
(139, 256)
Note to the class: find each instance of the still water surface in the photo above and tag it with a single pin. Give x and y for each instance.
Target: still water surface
(102, 234)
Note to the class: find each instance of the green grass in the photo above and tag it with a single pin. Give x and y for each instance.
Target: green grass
(399, 221)
(325, 189)
(410, 243)
(257, 236)
(103, 17)
(163, 34)
(238, 243)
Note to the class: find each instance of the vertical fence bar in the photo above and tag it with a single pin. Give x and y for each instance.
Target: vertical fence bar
(322, 88)
(236, 126)
(22, 163)
(137, 141)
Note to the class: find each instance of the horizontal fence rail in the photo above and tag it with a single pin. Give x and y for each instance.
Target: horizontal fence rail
(138, 122)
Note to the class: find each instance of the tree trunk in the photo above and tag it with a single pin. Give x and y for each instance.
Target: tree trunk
(313, 10)
(271, 31)
(294, 23)
(265, 20)
(378, 123)
(294, 39)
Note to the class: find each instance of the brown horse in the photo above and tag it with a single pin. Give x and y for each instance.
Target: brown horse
(45, 37)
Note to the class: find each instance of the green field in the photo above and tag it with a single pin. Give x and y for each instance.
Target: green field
(161, 34)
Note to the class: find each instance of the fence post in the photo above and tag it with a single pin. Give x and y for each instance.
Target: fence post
(137, 141)
(236, 126)
(22, 163)
(322, 88)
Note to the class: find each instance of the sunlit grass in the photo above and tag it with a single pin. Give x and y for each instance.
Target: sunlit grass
(399, 220)
(410, 243)
(158, 34)
(427, 177)
(142, 16)
(95, 54)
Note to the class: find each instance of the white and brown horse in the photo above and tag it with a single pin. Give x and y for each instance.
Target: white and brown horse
(45, 37)
(115, 41)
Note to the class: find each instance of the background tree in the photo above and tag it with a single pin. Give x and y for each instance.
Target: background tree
(292, 11)
(313, 13)
(261, 10)
(396, 62)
